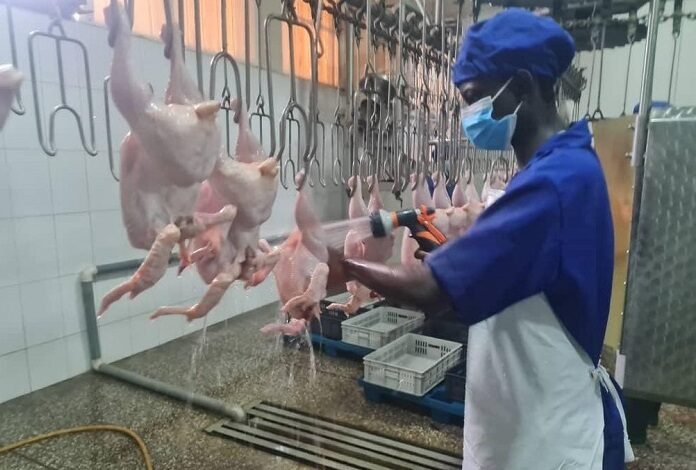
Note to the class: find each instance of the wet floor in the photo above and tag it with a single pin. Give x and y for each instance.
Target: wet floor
(239, 367)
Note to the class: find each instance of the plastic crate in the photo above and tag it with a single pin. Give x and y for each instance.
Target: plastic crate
(329, 323)
(412, 364)
(380, 326)
(455, 382)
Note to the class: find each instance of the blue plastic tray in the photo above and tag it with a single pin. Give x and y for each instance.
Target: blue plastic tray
(335, 348)
(435, 402)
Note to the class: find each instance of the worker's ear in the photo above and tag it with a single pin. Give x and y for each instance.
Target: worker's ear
(523, 85)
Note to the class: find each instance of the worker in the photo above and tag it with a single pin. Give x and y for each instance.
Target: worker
(533, 276)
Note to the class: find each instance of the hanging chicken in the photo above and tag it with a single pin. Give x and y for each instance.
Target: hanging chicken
(301, 272)
(159, 188)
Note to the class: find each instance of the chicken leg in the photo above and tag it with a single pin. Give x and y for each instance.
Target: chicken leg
(150, 272)
(210, 299)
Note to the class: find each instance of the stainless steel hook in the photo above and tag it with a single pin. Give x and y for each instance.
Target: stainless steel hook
(320, 165)
(598, 114)
(60, 39)
(107, 121)
(259, 113)
(225, 97)
(288, 17)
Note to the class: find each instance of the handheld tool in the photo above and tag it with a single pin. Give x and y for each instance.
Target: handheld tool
(418, 221)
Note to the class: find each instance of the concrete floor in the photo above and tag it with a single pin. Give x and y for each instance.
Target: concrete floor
(238, 366)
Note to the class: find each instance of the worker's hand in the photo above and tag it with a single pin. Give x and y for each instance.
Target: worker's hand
(337, 274)
(406, 284)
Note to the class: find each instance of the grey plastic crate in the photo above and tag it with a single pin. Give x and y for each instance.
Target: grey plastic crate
(412, 364)
(380, 326)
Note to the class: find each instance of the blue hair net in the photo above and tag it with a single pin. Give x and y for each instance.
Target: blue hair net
(510, 41)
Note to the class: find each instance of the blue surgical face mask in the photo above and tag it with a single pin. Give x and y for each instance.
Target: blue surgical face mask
(484, 131)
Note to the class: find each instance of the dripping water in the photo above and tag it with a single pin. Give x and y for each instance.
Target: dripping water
(335, 232)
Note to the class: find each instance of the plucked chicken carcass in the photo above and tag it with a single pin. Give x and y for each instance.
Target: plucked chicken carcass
(441, 199)
(228, 252)
(181, 139)
(10, 81)
(494, 185)
(157, 212)
(466, 207)
(302, 271)
(356, 248)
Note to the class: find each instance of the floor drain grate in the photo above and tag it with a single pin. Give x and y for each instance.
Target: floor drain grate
(317, 441)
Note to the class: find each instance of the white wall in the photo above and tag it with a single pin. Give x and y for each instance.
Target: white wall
(616, 61)
(61, 214)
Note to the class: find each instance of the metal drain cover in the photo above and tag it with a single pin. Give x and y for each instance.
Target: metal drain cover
(317, 441)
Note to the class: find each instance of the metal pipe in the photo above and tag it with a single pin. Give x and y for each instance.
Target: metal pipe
(640, 136)
(646, 88)
(234, 412)
(87, 279)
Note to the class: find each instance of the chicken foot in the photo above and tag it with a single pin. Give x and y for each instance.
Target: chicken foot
(211, 298)
(193, 226)
(150, 272)
(306, 305)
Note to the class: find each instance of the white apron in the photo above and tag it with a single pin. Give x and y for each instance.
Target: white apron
(533, 397)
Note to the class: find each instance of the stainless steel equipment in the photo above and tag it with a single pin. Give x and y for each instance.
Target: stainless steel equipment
(659, 331)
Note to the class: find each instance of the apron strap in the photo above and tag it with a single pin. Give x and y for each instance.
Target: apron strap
(601, 374)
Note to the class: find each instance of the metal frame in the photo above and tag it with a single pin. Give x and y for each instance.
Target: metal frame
(95, 273)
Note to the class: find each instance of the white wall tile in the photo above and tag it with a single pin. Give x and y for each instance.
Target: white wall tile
(36, 246)
(99, 116)
(4, 44)
(144, 332)
(9, 268)
(74, 242)
(148, 300)
(71, 305)
(69, 182)
(11, 326)
(99, 56)
(118, 310)
(110, 239)
(30, 184)
(180, 287)
(15, 375)
(67, 135)
(41, 307)
(48, 363)
(115, 340)
(103, 189)
(5, 191)
(170, 327)
(77, 349)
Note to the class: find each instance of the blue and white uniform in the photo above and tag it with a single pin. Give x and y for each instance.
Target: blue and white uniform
(533, 278)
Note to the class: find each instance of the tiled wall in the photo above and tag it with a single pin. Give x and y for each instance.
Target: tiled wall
(61, 214)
